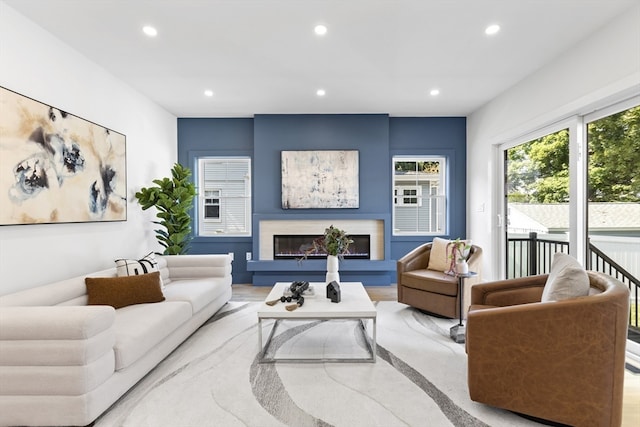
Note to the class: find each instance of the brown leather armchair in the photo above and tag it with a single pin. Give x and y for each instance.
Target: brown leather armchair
(561, 361)
(434, 291)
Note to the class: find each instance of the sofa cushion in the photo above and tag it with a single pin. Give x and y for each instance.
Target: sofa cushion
(567, 279)
(164, 270)
(439, 259)
(198, 292)
(431, 281)
(139, 328)
(57, 380)
(134, 267)
(123, 291)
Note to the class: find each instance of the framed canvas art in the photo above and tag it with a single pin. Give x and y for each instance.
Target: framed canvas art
(320, 179)
(56, 167)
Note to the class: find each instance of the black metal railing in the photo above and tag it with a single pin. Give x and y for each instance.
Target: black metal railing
(528, 256)
(599, 261)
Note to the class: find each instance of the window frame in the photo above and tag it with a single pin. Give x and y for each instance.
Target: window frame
(223, 197)
(578, 176)
(425, 198)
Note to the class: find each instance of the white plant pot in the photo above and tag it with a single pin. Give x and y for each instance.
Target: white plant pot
(332, 269)
(462, 267)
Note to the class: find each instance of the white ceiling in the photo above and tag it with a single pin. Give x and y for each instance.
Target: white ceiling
(379, 56)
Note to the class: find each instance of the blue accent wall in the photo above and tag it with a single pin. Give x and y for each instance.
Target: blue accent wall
(440, 136)
(369, 134)
(377, 137)
(199, 137)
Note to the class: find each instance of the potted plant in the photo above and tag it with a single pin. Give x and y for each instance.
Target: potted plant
(335, 243)
(173, 198)
(458, 256)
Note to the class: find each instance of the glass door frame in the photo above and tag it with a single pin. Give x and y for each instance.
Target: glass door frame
(576, 160)
(578, 178)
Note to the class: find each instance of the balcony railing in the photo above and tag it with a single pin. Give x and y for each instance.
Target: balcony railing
(528, 256)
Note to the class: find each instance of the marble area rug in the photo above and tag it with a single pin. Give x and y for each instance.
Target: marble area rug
(213, 378)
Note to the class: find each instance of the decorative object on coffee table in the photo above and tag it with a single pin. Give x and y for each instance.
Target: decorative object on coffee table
(335, 243)
(332, 269)
(333, 291)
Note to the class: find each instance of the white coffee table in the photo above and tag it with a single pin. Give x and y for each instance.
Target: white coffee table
(355, 304)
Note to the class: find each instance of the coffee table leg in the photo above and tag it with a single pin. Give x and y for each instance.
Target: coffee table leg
(375, 345)
(259, 335)
(371, 343)
(263, 350)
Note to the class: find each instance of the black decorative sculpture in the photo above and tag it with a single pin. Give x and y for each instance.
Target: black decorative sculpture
(333, 291)
(296, 290)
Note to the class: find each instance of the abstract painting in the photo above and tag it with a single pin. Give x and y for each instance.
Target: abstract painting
(56, 167)
(320, 179)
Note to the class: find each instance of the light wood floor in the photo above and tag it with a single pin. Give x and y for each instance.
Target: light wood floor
(631, 400)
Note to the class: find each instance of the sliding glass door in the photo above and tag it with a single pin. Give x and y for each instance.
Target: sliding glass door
(613, 195)
(536, 203)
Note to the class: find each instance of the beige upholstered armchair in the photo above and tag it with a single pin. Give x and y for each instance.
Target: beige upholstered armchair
(561, 361)
(433, 290)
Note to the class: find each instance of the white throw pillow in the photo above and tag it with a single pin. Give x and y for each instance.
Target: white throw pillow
(134, 267)
(440, 251)
(567, 279)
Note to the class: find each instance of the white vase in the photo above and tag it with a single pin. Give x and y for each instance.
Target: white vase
(332, 269)
(462, 267)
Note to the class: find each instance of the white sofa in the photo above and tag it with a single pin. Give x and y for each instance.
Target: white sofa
(63, 362)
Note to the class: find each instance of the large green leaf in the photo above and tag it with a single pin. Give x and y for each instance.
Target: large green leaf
(173, 199)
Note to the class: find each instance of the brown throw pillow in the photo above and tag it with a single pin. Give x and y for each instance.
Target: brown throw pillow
(123, 291)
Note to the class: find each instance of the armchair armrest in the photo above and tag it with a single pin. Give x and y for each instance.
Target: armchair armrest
(417, 259)
(504, 293)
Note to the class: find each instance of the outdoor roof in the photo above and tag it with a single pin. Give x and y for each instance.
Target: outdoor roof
(601, 215)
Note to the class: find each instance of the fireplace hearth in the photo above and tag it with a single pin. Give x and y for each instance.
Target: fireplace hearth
(293, 246)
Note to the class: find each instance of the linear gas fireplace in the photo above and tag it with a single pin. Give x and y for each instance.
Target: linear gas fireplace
(293, 246)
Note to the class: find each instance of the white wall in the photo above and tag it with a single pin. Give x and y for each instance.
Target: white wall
(37, 65)
(603, 68)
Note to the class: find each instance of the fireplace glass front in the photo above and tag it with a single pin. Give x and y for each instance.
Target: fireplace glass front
(293, 246)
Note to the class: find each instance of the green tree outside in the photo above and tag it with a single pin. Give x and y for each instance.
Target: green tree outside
(538, 171)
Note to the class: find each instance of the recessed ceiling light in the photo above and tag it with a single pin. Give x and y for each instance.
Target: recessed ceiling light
(434, 92)
(208, 92)
(492, 29)
(150, 31)
(321, 92)
(320, 30)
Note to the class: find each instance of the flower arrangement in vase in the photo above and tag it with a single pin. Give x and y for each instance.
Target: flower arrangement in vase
(335, 243)
(458, 256)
